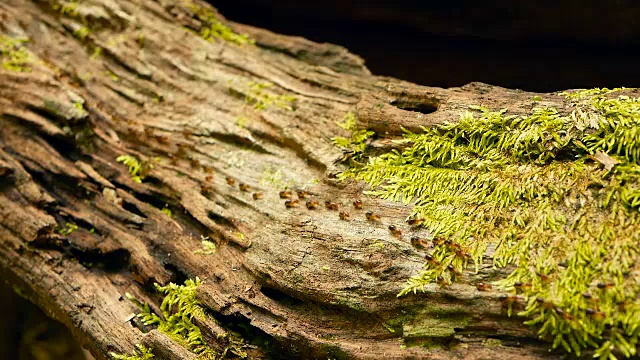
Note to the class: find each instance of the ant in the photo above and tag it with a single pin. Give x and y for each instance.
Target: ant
(431, 260)
(207, 169)
(481, 286)
(195, 163)
(357, 204)
(395, 231)
(291, 203)
(371, 216)
(519, 286)
(415, 221)
(418, 243)
(457, 248)
(174, 159)
(243, 187)
(208, 178)
(595, 314)
(302, 194)
(330, 205)
(543, 277)
(511, 299)
(231, 181)
(344, 215)
(257, 195)
(207, 190)
(563, 314)
(162, 139)
(182, 150)
(285, 194)
(604, 286)
(312, 204)
(439, 241)
(545, 304)
(442, 281)
(453, 270)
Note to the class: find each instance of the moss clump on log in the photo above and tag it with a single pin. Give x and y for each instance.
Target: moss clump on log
(555, 196)
(179, 308)
(142, 353)
(13, 56)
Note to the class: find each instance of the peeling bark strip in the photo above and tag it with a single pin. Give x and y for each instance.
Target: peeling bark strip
(210, 124)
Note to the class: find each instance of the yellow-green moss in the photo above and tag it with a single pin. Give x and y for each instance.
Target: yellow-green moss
(179, 307)
(66, 8)
(167, 211)
(557, 195)
(208, 247)
(141, 353)
(68, 229)
(213, 29)
(13, 56)
(353, 146)
(138, 169)
(261, 99)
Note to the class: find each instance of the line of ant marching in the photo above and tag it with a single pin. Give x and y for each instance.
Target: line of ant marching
(299, 198)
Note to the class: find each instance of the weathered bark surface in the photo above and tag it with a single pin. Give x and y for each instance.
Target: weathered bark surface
(318, 286)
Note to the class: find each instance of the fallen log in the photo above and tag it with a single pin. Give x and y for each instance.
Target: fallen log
(151, 142)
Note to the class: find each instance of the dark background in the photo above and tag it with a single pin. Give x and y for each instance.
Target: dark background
(530, 45)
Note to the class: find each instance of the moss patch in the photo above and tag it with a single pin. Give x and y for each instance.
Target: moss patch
(353, 146)
(13, 56)
(138, 169)
(179, 307)
(261, 98)
(213, 29)
(556, 194)
(141, 353)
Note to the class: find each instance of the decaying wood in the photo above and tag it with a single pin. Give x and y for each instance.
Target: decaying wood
(317, 286)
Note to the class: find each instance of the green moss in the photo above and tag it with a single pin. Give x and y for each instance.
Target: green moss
(492, 342)
(69, 9)
(272, 176)
(68, 229)
(557, 195)
(81, 32)
(13, 56)
(241, 121)
(213, 29)
(377, 244)
(353, 146)
(68, 113)
(138, 169)
(208, 247)
(66, 8)
(260, 98)
(141, 353)
(179, 307)
(19, 291)
(112, 75)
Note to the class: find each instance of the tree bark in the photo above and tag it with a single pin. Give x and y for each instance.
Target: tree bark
(141, 83)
